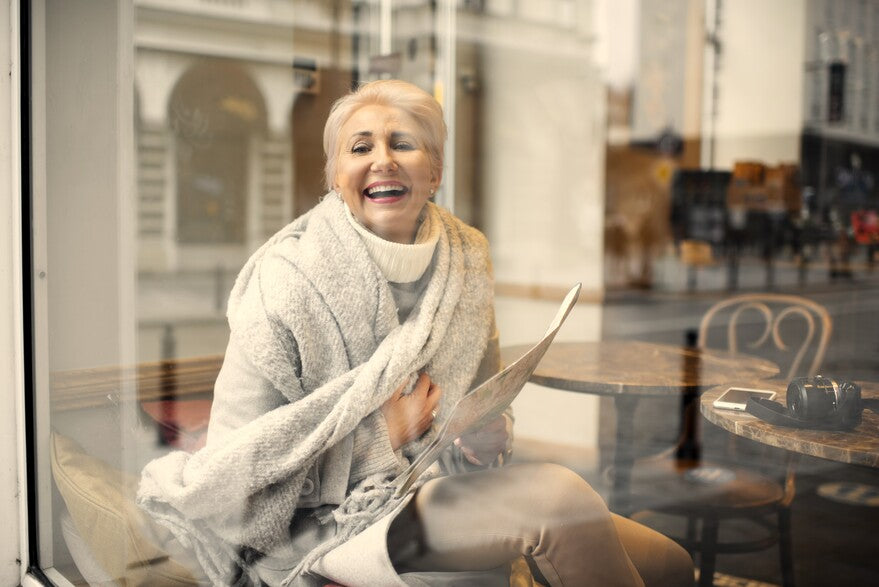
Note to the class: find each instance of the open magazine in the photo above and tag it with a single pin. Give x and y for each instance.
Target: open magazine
(487, 401)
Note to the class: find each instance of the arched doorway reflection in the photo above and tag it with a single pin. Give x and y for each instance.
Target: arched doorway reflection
(215, 113)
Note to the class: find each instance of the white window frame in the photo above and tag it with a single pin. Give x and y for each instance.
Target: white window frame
(15, 509)
(13, 504)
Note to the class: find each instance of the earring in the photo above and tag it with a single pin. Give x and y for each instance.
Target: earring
(432, 191)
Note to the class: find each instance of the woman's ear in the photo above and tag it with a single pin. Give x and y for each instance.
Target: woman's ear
(436, 178)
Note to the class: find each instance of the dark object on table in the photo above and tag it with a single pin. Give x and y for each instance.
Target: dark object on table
(824, 403)
(820, 398)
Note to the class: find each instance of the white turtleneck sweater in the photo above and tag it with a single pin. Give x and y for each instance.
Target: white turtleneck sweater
(405, 266)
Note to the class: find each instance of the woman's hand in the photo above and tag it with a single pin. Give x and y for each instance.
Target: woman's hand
(409, 416)
(483, 446)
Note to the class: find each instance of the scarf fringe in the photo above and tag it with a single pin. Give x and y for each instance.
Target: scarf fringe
(368, 503)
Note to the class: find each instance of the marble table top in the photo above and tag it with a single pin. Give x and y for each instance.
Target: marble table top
(628, 367)
(859, 446)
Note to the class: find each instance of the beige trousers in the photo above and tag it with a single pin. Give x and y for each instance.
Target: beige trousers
(483, 520)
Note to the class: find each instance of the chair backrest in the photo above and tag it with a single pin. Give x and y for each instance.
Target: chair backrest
(763, 322)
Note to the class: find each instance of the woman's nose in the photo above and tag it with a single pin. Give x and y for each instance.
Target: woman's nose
(384, 160)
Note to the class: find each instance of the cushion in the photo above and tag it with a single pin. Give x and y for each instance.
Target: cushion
(123, 540)
(93, 573)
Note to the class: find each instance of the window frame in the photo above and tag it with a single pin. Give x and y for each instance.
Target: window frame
(31, 180)
(13, 137)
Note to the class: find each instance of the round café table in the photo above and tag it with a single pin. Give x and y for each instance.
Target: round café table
(628, 370)
(859, 446)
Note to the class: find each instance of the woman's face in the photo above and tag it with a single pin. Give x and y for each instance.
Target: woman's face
(383, 171)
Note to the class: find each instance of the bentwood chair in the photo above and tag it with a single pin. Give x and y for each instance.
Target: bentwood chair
(794, 332)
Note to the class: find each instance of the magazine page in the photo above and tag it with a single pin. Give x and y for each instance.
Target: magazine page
(488, 401)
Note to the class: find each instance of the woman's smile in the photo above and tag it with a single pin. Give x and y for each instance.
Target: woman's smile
(385, 192)
(384, 174)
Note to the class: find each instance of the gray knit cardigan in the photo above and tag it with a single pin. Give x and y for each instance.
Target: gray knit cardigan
(316, 318)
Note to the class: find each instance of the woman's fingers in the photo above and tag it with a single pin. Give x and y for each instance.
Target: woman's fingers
(427, 405)
(483, 445)
(422, 386)
(409, 416)
(468, 452)
(434, 394)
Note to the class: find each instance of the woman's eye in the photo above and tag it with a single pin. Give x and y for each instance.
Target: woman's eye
(403, 146)
(360, 149)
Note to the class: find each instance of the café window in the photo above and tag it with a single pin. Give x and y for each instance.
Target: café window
(649, 149)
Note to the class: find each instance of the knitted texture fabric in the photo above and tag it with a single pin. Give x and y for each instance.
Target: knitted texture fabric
(319, 322)
(400, 263)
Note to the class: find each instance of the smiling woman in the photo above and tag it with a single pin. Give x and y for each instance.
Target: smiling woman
(338, 374)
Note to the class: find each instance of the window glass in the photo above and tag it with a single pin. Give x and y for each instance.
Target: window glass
(668, 155)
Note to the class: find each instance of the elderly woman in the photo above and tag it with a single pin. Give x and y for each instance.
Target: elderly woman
(354, 330)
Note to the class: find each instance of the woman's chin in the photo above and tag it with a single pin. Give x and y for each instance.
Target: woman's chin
(398, 229)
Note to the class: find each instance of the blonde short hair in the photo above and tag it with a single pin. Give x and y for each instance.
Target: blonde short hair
(423, 107)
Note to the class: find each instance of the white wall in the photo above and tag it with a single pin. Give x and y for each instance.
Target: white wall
(616, 41)
(10, 300)
(543, 167)
(660, 85)
(542, 174)
(760, 107)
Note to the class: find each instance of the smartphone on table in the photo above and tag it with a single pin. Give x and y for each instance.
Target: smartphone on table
(736, 398)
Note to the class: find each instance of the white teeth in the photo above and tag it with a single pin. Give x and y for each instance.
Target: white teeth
(384, 188)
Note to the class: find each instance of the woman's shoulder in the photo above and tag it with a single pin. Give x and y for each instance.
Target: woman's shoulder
(272, 276)
(474, 244)
(471, 236)
(474, 237)
(311, 264)
(296, 245)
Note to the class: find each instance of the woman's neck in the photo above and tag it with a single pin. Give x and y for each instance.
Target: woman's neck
(402, 263)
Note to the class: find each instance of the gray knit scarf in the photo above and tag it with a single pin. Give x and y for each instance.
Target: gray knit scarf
(313, 292)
